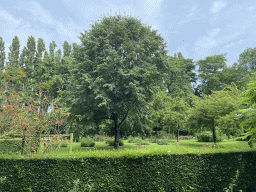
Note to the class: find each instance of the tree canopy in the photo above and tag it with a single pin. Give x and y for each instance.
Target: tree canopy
(116, 71)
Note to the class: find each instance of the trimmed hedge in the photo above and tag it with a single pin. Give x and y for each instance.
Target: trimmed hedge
(205, 172)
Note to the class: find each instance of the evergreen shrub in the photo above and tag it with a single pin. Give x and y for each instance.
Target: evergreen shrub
(87, 142)
(162, 141)
(156, 172)
(208, 137)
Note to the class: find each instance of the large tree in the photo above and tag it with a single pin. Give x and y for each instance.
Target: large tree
(179, 75)
(248, 59)
(116, 71)
(209, 70)
(2, 54)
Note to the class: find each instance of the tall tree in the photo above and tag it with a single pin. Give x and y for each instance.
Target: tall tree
(248, 59)
(209, 70)
(116, 71)
(29, 61)
(179, 75)
(66, 49)
(2, 54)
(13, 55)
(237, 74)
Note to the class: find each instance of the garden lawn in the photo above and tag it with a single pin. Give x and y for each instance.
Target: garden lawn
(101, 149)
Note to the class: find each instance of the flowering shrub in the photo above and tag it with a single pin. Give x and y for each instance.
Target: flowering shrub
(99, 138)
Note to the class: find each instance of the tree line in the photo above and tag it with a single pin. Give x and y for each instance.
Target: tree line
(120, 81)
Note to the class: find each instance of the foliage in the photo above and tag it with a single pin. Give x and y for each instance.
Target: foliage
(111, 141)
(209, 70)
(116, 71)
(87, 142)
(247, 59)
(207, 137)
(162, 142)
(248, 114)
(169, 113)
(210, 108)
(179, 75)
(99, 138)
(152, 172)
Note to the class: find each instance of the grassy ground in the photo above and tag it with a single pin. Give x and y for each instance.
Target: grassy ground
(101, 149)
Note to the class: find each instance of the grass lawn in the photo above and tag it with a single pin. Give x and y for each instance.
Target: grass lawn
(102, 149)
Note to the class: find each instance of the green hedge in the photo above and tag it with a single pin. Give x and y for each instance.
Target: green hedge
(205, 172)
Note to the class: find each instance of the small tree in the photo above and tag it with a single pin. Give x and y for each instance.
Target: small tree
(248, 114)
(211, 107)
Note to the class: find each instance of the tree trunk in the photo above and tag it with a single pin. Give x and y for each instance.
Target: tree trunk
(23, 144)
(213, 133)
(178, 135)
(117, 131)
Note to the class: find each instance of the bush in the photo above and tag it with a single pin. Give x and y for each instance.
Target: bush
(142, 142)
(130, 139)
(99, 138)
(10, 146)
(153, 140)
(162, 141)
(205, 137)
(87, 142)
(111, 142)
(208, 137)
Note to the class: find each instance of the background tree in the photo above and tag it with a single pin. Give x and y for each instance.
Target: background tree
(116, 71)
(209, 70)
(237, 74)
(179, 75)
(210, 108)
(248, 59)
(13, 55)
(2, 54)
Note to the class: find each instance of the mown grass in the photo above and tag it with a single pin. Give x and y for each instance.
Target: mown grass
(101, 149)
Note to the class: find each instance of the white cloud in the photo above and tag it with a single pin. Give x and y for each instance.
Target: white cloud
(5, 15)
(206, 43)
(40, 13)
(217, 6)
(152, 6)
(214, 32)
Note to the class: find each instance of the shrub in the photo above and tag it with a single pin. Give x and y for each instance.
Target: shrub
(205, 137)
(111, 142)
(87, 142)
(99, 138)
(142, 142)
(153, 140)
(208, 137)
(130, 139)
(162, 141)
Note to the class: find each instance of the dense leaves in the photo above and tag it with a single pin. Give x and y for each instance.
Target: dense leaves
(116, 72)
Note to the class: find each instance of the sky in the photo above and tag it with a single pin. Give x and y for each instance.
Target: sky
(196, 28)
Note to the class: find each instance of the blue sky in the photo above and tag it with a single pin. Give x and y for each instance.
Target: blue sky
(196, 28)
